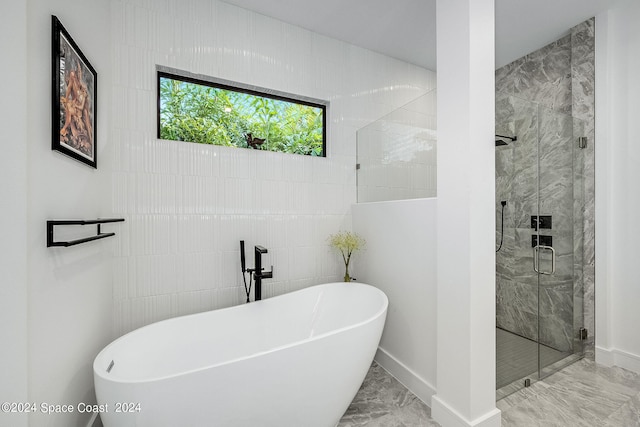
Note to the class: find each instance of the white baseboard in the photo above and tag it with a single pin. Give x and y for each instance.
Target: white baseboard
(447, 416)
(411, 380)
(604, 356)
(615, 357)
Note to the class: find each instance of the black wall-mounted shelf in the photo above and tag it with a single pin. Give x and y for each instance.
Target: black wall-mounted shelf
(99, 235)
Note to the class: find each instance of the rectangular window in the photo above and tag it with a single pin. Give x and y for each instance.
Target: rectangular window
(208, 112)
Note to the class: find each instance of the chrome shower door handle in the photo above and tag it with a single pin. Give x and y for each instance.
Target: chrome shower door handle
(553, 259)
(536, 260)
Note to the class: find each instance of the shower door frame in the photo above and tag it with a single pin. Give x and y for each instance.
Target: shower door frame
(563, 282)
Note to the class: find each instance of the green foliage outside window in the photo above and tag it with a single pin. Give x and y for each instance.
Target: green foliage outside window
(213, 115)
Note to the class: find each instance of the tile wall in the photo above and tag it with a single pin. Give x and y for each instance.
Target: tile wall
(188, 205)
(546, 99)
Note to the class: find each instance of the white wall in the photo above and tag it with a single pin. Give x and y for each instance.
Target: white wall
(183, 202)
(400, 259)
(188, 205)
(13, 204)
(70, 289)
(617, 178)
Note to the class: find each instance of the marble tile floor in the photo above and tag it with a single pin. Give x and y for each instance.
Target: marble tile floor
(581, 395)
(383, 401)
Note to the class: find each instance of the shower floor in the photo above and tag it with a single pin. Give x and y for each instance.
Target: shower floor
(517, 358)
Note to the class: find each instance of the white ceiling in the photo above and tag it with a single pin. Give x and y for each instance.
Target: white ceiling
(406, 29)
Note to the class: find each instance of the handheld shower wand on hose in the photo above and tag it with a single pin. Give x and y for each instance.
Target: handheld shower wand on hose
(503, 203)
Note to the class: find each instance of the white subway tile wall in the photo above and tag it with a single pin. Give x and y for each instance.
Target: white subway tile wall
(188, 205)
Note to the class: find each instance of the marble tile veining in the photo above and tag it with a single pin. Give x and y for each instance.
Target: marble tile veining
(584, 394)
(383, 401)
(546, 100)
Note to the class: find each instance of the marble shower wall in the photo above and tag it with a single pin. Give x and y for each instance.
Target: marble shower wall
(546, 99)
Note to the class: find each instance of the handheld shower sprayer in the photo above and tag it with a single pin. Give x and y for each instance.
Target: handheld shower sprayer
(257, 273)
(242, 261)
(503, 203)
(243, 266)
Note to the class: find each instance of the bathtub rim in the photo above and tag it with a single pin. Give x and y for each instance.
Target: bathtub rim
(104, 375)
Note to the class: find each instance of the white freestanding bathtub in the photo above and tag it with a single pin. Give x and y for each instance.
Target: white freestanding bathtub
(296, 360)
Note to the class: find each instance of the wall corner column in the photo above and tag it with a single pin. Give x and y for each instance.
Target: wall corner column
(465, 393)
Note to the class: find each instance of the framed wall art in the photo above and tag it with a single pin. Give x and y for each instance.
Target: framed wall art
(74, 98)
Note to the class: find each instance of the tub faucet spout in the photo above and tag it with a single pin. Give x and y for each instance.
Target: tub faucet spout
(259, 274)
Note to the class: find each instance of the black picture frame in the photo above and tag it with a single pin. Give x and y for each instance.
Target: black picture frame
(74, 98)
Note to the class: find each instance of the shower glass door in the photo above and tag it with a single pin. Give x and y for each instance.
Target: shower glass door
(557, 227)
(538, 176)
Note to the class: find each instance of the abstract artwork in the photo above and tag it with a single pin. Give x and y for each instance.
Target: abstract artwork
(74, 94)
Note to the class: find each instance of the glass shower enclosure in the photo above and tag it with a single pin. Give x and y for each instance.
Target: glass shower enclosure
(397, 153)
(539, 291)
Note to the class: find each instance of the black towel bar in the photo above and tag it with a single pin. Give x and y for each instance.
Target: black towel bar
(99, 235)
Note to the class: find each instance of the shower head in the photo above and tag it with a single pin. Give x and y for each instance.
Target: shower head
(500, 140)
